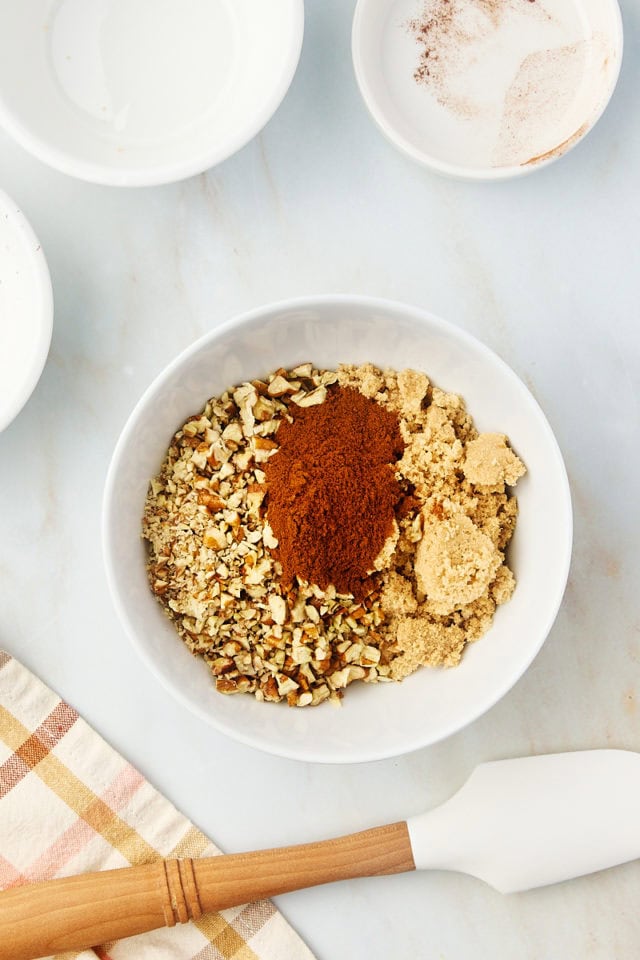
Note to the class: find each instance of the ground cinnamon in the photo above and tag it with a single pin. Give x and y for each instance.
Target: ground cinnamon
(333, 491)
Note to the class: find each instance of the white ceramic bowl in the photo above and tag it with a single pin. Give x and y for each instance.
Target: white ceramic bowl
(141, 92)
(375, 721)
(26, 310)
(503, 88)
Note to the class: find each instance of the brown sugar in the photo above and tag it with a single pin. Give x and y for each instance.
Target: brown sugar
(455, 563)
(489, 462)
(446, 571)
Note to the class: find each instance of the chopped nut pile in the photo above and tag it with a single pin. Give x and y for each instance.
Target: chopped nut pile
(435, 584)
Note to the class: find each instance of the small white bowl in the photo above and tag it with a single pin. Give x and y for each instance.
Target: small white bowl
(375, 721)
(26, 310)
(486, 89)
(142, 92)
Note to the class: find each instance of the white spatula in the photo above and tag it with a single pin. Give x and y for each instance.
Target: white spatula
(516, 824)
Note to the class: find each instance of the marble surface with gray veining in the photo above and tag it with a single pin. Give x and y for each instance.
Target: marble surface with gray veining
(545, 270)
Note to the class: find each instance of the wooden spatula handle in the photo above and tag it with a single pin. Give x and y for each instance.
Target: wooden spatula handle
(41, 919)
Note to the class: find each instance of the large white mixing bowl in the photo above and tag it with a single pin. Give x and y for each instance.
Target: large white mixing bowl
(375, 721)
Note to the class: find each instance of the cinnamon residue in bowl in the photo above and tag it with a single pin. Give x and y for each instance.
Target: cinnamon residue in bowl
(450, 34)
(445, 29)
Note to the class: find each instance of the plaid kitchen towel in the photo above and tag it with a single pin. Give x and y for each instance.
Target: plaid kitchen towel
(70, 804)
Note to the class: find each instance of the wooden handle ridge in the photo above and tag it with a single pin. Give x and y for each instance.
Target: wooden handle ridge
(181, 896)
(76, 913)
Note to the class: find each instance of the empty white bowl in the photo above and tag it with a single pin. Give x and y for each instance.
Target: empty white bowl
(486, 89)
(141, 92)
(26, 310)
(376, 720)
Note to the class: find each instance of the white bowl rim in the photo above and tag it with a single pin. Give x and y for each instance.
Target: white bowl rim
(413, 313)
(454, 170)
(161, 173)
(38, 262)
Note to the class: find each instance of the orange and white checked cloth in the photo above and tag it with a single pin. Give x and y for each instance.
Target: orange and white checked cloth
(70, 804)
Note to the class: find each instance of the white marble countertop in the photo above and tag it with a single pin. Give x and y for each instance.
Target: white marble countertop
(545, 270)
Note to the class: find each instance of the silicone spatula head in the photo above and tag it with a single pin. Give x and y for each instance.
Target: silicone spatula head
(519, 824)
